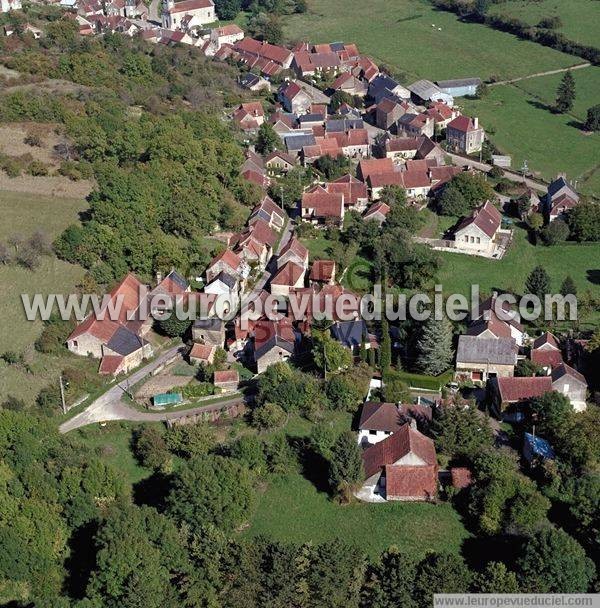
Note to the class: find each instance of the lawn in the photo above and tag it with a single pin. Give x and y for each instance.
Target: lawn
(400, 34)
(524, 127)
(581, 261)
(580, 17)
(24, 214)
(112, 443)
(293, 510)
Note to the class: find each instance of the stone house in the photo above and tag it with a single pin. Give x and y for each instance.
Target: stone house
(187, 14)
(481, 358)
(289, 276)
(227, 380)
(463, 134)
(274, 341)
(210, 331)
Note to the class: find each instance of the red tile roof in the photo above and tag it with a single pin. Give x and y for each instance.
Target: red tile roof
(390, 417)
(486, 217)
(296, 247)
(564, 369)
(402, 144)
(190, 5)
(322, 270)
(323, 203)
(417, 482)
(547, 358)
(226, 376)
(110, 364)
(404, 441)
(516, 389)
(548, 340)
(228, 257)
(375, 166)
(378, 208)
(462, 123)
(289, 274)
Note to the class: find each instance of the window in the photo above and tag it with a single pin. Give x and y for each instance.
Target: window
(75, 344)
(466, 239)
(478, 240)
(372, 432)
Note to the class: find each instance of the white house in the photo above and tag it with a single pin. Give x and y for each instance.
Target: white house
(478, 231)
(9, 5)
(187, 14)
(380, 420)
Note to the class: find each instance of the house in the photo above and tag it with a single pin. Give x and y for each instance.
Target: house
(492, 308)
(379, 420)
(571, 384)
(463, 134)
(269, 211)
(287, 277)
(319, 206)
(194, 13)
(505, 392)
(227, 34)
(491, 327)
(416, 183)
(374, 166)
(296, 143)
(377, 212)
(388, 112)
(402, 148)
(401, 467)
(384, 87)
(356, 195)
(279, 163)
(117, 341)
(249, 116)
(293, 98)
(459, 87)
(224, 284)
(10, 5)
(348, 83)
(322, 272)
(478, 231)
(560, 198)
(227, 380)
(209, 331)
(255, 243)
(267, 58)
(307, 63)
(202, 354)
(441, 115)
(483, 358)
(229, 262)
(423, 91)
(253, 82)
(293, 251)
(274, 341)
(416, 125)
(351, 334)
(545, 352)
(535, 449)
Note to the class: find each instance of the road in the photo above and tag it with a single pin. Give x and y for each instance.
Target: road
(154, 11)
(579, 66)
(461, 161)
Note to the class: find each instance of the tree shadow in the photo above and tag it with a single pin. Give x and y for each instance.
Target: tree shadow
(576, 124)
(152, 491)
(81, 560)
(540, 105)
(313, 466)
(479, 551)
(593, 276)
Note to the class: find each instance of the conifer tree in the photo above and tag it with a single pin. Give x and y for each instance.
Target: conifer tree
(385, 355)
(435, 346)
(568, 286)
(565, 94)
(538, 283)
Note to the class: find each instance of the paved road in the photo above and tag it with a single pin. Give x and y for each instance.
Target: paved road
(461, 161)
(579, 66)
(109, 405)
(154, 11)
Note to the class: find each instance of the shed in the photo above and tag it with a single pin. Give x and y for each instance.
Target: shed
(459, 87)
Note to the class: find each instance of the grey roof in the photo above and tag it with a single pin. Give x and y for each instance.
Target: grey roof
(297, 142)
(125, 342)
(341, 125)
(337, 46)
(423, 89)
(350, 333)
(249, 80)
(210, 324)
(310, 118)
(262, 214)
(500, 351)
(381, 82)
(558, 184)
(458, 82)
(226, 278)
(178, 279)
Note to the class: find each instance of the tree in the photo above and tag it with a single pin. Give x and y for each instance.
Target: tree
(441, 573)
(391, 582)
(268, 416)
(535, 221)
(585, 510)
(174, 327)
(526, 368)
(434, 346)
(345, 465)
(227, 9)
(328, 354)
(385, 353)
(250, 451)
(555, 232)
(150, 448)
(538, 283)
(332, 168)
(452, 202)
(190, 440)
(227, 492)
(592, 122)
(584, 222)
(550, 411)
(568, 286)
(395, 390)
(554, 562)
(338, 98)
(288, 189)
(460, 433)
(464, 192)
(496, 578)
(565, 93)
(267, 139)
(343, 393)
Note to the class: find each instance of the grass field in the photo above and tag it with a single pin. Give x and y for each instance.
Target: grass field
(24, 214)
(582, 262)
(518, 119)
(400, 34)
(580, 17)
(292, 510)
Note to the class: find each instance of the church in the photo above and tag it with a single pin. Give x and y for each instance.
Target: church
(187, 14)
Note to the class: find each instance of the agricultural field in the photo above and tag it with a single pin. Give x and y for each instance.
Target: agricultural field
(401, 35)
(25, 214)
(579, 18)
(292, 509)
(519, 120)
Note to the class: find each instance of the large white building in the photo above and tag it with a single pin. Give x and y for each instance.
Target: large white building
(9, 5)
(187, 14)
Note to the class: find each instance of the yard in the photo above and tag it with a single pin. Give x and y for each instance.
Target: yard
(401, 35)
(293, 510)
(24, 214)
(579, 17)
(519, 121)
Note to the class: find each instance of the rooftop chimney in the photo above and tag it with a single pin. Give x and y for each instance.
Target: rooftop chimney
(476, 122)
